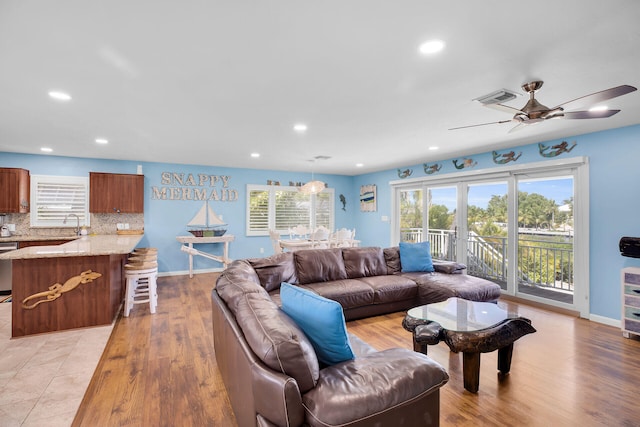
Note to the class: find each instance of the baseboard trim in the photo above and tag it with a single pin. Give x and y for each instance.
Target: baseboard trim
(605, 320)
(186, 272)
(536, 304)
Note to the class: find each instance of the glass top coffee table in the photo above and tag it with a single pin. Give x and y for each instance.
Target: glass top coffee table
(469, 327)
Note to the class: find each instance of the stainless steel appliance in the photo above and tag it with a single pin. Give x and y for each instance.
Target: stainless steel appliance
(5, 268)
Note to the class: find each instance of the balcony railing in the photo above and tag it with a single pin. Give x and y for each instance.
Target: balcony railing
(544, 262)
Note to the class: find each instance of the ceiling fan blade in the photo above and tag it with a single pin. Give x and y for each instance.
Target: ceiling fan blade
(589, 114)
(505, 108)
(481, 124)
(594, 98)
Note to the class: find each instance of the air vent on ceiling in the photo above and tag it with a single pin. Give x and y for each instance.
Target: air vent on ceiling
(497, 97)
(322, 157)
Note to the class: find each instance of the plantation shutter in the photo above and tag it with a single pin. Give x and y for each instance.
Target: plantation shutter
(292, 208)
(324, 209)
(258, 211)
(54, 198)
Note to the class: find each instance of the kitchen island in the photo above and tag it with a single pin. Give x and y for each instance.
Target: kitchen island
(73, 285)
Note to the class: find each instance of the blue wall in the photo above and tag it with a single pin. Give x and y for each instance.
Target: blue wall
(614, 203)
(166, 219)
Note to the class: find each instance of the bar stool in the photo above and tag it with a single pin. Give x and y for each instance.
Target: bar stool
(145, 251)
(141, 286)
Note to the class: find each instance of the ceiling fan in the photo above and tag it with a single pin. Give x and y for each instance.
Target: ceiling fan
(534, 112)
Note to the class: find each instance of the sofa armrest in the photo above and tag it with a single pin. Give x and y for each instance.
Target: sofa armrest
(277, 397)
(448, 267)
(372, 385)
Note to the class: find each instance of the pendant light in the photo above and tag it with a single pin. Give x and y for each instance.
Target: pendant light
(313, 186)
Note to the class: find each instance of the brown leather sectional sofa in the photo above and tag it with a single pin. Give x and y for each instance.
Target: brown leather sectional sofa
(270, 370)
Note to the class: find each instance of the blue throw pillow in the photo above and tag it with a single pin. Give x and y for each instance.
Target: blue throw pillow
(322, 321)
(416, 257)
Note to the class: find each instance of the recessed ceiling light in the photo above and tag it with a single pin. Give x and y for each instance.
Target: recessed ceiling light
(433, 148)
(59, 96)
(431, 46)
(599, 108)
(359, 165)
(300, 127)
(255, 155)
(46, 149)
(101, 141)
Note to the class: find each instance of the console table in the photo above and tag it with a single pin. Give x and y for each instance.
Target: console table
(189, 241)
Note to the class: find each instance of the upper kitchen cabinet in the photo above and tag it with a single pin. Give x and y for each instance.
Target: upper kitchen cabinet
(116, 193)
(14, 190)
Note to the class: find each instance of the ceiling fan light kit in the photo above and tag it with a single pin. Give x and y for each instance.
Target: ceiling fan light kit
(534, 112)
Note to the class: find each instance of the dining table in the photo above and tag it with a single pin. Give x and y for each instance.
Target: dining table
(298, 244)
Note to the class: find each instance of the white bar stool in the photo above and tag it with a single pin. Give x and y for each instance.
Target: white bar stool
(141, 286)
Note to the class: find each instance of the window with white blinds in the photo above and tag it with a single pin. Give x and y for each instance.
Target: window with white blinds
(280, 208)
(54, 198)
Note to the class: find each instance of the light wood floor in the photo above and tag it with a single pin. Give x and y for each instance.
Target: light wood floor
(160, 370)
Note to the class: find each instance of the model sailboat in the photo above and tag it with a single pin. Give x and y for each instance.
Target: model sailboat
(206, 223)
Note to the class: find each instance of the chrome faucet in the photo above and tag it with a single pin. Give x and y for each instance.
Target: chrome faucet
(77, 230)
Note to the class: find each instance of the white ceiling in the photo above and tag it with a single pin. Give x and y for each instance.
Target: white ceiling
(208, 82)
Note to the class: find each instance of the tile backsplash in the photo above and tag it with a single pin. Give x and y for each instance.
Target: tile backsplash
(100, 224)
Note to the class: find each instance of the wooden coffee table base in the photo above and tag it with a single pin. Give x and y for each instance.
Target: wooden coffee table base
(498, 337)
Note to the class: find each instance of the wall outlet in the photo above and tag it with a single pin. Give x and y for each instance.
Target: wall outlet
(385, 218)
(261, 250)
(12, 227)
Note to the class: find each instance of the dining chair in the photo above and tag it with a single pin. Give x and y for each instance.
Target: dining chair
(275, 241)
(342, 238)
(320, 238)
(299, 232)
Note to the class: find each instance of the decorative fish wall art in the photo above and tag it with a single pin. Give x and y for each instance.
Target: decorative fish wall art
(431, 169)
(466, 163)
(502, 158)
(343, 200)
(405, 173)
(555, 150)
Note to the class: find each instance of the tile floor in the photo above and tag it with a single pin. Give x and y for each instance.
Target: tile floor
(43, 378)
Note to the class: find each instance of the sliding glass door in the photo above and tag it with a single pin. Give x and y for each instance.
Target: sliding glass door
(517, 230)
(487, 231)
(545, 238)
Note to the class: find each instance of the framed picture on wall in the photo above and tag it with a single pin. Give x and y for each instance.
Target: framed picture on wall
(368, 198)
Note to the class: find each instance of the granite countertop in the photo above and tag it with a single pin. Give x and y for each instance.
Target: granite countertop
(80, 246)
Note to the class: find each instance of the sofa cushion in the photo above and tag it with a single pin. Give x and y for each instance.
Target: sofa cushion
(449, 267)
(391, 288)
(350, 393)
(277, 340)
(349, 292)
(274, 270)
(235, 281)
(392, 259)
(416, 257)
(322, 321)
(319, 265)
(364, 262)
(436, 287)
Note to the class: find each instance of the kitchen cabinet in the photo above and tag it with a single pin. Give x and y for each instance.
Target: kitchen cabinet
(116, 193)
(14, 190)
